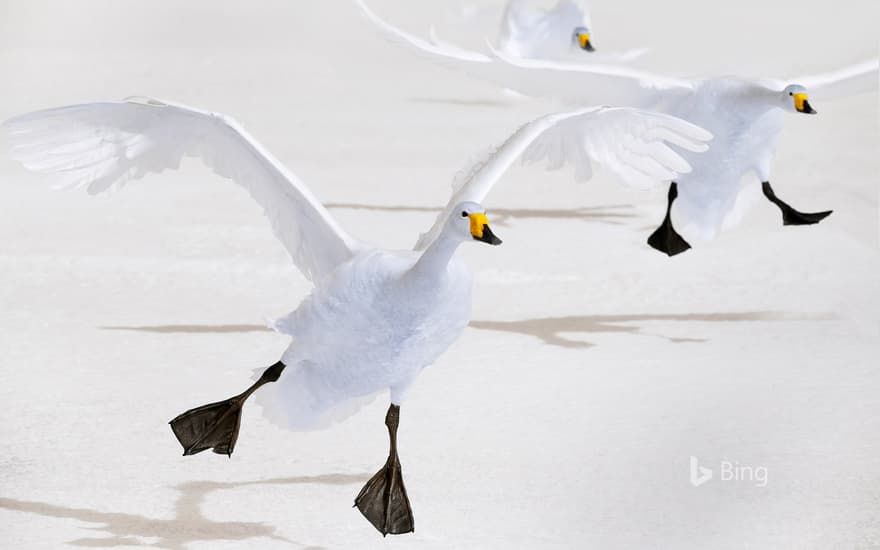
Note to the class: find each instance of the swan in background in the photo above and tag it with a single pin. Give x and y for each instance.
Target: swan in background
(746, 117)
(533, 32)
(375, 317)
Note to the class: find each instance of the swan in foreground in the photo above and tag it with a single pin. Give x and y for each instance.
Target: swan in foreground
(375, 317)
(533, 32)
(744, 115)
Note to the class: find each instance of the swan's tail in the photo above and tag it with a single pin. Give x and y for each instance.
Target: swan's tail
(302, 401)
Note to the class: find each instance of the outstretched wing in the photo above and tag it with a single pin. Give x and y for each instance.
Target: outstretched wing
(101, 145)
(627, 142)
(576, 83)
(582, 83)
(853, 80)
(441, 51)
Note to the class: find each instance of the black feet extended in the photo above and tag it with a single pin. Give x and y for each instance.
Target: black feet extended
(790, 216)
(383, 500)
(216, 425)
(664, 238)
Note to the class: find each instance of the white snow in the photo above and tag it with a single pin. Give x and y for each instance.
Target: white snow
(565, 417)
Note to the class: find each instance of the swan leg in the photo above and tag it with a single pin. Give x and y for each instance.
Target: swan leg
(383, 500)
(790, 216)
(665, 238)
(216, 425)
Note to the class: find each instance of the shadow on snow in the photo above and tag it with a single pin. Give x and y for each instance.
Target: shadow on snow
(550, 330)
(188, 525)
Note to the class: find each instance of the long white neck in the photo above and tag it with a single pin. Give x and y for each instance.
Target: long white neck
(762, 97)
(435, 258)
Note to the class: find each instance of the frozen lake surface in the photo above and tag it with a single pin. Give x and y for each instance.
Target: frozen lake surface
(594, 369)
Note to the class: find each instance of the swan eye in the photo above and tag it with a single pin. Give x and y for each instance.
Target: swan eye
(790, 93)
(464, 214)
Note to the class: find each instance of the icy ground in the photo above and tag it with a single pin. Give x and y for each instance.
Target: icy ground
(594, 369)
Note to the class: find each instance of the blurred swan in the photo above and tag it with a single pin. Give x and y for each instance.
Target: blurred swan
(375, 317)
(533, 32)
(744, 115)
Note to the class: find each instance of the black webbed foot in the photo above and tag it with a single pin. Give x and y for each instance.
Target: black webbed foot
(209, 426)
(790, 216)
(383, 500)
(215, 426)
(665, 238)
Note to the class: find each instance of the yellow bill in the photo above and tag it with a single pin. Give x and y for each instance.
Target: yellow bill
(802, 104)
(480, 229)
(584, 41)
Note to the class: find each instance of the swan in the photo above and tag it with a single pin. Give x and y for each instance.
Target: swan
(530, 31)
(375, 317)
(746, 116)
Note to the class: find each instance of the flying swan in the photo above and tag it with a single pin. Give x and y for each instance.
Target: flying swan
(532, 32)
(375, 317)
(744, 115)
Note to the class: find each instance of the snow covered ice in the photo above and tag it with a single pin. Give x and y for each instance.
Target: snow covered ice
(565, 416)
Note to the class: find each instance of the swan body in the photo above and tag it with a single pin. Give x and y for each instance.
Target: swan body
(744, 140)
(409, 315)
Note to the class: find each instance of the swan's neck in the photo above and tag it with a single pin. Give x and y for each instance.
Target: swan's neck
(763, 98)
(435, 258)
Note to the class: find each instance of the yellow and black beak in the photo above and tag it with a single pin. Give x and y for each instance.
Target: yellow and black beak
(480, 229)
(802, 105)
(583, 39)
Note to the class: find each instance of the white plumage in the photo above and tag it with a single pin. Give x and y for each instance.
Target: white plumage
(376, 317)
(100, 145)
(743, 115)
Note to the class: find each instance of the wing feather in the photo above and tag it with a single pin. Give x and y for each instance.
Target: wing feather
(626, 142)
(629, 143)
(102, 145)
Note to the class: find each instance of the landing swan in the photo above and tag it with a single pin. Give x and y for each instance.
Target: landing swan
(375, 317)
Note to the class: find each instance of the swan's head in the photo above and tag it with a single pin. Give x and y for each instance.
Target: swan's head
(581, 39)
(468, 221)
(794, 97)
